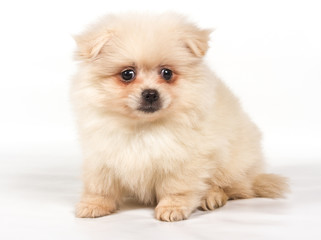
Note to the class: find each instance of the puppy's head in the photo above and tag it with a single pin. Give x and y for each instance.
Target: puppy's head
(141, 66)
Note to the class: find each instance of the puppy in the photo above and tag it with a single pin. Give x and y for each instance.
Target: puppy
(156, 124)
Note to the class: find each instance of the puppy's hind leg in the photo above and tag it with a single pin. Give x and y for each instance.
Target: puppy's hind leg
(240, 190)
(214, 198)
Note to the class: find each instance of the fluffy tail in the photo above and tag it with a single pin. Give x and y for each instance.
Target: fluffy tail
(270, 186)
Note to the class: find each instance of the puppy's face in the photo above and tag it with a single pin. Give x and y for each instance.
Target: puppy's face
(143, 67)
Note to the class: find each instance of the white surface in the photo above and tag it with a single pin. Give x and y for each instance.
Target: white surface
(38, 194)
(268, 52)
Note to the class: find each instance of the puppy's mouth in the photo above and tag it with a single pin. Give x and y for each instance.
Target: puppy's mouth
(149, 107)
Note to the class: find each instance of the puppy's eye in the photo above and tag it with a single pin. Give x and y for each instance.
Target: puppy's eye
(128, 75)
(166, 74)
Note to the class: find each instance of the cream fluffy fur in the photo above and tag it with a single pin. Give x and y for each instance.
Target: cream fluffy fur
(199, 150)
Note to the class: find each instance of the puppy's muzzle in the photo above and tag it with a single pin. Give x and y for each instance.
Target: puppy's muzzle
(150, 101)
(150, 95)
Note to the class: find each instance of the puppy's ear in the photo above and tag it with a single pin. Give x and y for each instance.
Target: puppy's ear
(90, 44)
(197, 39)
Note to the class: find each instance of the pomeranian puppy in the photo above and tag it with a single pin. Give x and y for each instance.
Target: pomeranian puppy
(156, 124)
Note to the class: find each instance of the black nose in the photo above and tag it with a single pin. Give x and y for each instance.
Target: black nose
(150, 95)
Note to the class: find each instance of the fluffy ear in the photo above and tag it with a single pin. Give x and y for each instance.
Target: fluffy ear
(196, 40)
(90, 44)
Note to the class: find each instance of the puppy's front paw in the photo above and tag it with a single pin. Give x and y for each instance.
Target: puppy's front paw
(171, 214)
(214, 198)
(94, 207)
(87, 210)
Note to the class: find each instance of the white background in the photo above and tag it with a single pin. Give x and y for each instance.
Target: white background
(268, 52)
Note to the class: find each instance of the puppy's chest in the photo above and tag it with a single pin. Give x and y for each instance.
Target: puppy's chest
(147, 151)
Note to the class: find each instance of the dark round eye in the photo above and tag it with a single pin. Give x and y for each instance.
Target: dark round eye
(128, 75)
(166, 74)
